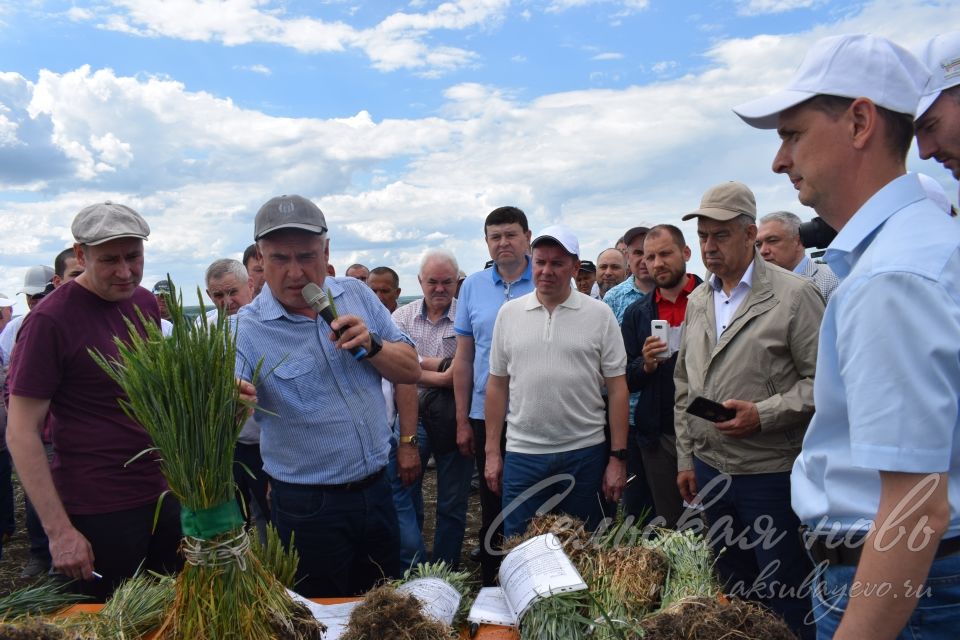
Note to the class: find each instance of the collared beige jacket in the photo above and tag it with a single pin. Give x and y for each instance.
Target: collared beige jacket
(767, 355)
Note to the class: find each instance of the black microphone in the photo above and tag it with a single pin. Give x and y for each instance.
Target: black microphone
(318, 301)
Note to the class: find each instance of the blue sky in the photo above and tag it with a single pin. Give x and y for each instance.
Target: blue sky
(406, 121)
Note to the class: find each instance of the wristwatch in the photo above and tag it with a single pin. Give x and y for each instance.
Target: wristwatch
(376, 343)
(619, 454)
(411, 440)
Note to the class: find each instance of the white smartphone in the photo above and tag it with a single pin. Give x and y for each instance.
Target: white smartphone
(661, 329)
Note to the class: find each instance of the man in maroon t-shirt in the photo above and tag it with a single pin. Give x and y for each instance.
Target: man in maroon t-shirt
(96, 506)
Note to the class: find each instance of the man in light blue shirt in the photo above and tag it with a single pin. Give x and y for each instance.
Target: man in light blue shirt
(324, 433)
(481, 296)
(882, 454)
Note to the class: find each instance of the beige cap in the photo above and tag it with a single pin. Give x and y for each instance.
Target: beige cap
(725, 202)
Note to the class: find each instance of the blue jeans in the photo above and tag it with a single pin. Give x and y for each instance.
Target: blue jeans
(752, 523)
(412, 550)
(937, 616)
(570, 480)
(348, 540)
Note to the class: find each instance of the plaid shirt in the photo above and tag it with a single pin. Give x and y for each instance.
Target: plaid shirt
(432, 340)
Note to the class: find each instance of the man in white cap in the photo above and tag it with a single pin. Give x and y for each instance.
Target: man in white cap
(938, 112)
(98, 504)
(6, 310)
(750, 343)
(871, 484)
(37, 283)
(552, 352)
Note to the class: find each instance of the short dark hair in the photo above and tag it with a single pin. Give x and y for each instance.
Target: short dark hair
(899, 126)
(387, 271)
(60, 262)
(248, 253)
(506, 215)
(357, 265)
(675, 233)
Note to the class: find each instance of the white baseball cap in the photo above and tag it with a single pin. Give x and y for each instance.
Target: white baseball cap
(36, 279)
(560, 234)
(848, 66)
(5, 301)
(941, 55)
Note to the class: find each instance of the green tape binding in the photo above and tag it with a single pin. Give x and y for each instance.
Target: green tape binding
(207, 524)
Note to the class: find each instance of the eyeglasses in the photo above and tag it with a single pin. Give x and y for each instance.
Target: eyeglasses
(37, 296)
(506, 289)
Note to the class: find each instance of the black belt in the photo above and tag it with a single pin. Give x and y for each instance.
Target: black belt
(837, 550)
(356, 485)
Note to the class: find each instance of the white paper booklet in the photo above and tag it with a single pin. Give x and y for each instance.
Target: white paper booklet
(534, 570)
(334, 616)
(437, 597)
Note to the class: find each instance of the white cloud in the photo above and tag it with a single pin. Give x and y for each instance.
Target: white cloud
(79, 14)
(758, 7)
(599, 160)
(625, 6)
(663, 66)
(398, 42)
(255, 68)
(608, 56)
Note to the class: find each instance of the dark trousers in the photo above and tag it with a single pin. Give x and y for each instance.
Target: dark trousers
(39, 544)
(660, 466)
(125, 541)
(348, 540)
(770, 573)
(7, 522)
(250, 488)
(489, 506)
(637, 499)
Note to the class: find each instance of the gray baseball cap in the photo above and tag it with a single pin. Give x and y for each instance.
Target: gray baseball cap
(107, 221)
(288, 212)
(36, 280)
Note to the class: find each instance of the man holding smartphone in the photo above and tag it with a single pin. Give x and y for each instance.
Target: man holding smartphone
(650, 363)
(749, 342)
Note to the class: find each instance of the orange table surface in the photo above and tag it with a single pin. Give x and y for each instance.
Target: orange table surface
(487, 632)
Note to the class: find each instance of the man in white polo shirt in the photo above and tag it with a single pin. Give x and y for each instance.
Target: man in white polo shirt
(553, 350)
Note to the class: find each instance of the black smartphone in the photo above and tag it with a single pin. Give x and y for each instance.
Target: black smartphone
(710, 410)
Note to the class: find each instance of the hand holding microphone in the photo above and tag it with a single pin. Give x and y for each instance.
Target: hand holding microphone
(314, 296)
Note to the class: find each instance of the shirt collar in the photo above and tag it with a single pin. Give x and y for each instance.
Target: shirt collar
(687, 289)
(843, 252)
(527, 272)
(802, 265)
(451, 313)
(271, 309)
(745, 279)
(573, 300)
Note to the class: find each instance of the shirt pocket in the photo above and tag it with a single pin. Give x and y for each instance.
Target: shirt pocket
(295, 382)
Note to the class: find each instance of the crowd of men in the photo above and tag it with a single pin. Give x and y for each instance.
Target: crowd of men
(805, 411)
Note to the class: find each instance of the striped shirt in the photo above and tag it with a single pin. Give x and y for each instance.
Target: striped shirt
(330, 425)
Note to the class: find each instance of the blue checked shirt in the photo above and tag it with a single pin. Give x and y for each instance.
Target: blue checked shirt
(619, 298)
(330, 425)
